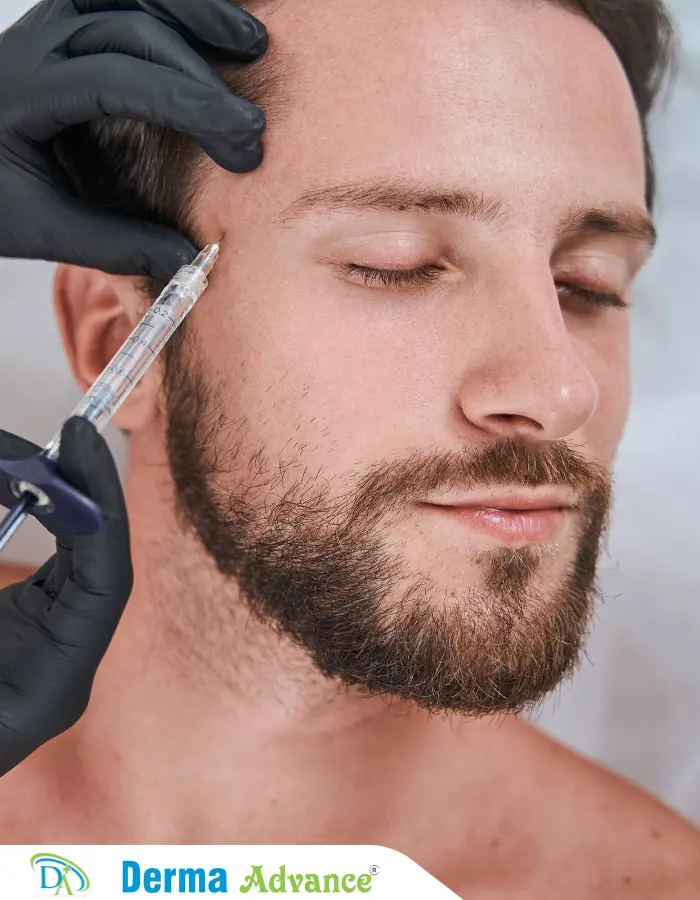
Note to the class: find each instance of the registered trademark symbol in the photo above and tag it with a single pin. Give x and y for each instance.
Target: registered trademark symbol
(374, 870)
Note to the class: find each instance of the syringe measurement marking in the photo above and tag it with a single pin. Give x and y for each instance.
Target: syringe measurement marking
(116, 369)
(163, 314)
(142, 344)
(113, 370)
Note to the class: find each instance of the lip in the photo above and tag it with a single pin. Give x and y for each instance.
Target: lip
(511, 500)
(514, 519)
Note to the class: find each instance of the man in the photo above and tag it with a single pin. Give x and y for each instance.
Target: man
(372, 480)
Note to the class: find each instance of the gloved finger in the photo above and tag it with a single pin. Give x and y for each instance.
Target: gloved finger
(112, 84)
(218, 23)
(92, 599)
(79, 443)
(13, 447)
(95, 238)
(143, 37)
(37, 593)
(43, 572)
(244, 161)
(74, 453)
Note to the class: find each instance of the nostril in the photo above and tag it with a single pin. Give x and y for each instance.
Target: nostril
(515, 422)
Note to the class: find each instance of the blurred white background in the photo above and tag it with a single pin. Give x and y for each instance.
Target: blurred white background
(635, 705)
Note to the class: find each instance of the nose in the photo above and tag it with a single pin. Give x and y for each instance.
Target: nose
(526, 376)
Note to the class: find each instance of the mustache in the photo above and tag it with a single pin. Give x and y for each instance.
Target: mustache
(505, 462)
(306, 507)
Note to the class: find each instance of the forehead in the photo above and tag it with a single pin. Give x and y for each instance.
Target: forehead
(521, 97)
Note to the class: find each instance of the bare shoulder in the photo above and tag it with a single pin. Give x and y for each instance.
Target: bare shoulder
(608, 833)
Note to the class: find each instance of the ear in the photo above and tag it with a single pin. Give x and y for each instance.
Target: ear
(96, 313)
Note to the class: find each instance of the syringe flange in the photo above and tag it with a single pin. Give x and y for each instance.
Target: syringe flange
(67, 509)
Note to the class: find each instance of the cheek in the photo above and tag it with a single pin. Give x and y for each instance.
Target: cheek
(611, 368)
(311, 384)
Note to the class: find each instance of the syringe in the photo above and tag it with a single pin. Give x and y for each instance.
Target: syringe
(34, 486)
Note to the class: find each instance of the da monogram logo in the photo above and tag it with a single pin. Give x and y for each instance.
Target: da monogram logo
(58, 876)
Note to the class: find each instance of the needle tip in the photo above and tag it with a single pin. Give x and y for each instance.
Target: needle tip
(206, 259)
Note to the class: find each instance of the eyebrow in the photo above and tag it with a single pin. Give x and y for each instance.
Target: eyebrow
(628, 221)
(395, 196)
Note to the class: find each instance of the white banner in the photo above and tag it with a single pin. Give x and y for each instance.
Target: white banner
(119, 872)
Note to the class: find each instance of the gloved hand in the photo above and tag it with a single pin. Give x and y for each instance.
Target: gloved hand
(74, 61)
(56, 626)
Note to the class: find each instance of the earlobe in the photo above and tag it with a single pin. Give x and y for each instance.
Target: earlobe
(96, 312)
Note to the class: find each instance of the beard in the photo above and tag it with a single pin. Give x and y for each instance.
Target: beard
(319, 570)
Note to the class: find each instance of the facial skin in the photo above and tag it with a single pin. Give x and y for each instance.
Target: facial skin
(309, 416)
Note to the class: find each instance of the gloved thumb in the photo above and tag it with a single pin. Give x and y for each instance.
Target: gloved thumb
(100, 574)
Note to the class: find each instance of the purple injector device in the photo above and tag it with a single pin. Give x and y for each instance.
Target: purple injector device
(34, 486)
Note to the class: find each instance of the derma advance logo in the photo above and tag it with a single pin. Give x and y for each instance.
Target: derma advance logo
(59, 877)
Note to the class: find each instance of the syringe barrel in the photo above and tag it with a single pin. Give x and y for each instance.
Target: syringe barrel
(139, 351)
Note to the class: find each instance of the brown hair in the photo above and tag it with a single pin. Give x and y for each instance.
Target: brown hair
(140, 170)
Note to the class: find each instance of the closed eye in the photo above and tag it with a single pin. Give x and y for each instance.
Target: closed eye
(422, 275)
(416, 277)
(597, 298)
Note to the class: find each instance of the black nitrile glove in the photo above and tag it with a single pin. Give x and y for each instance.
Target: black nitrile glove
(69, 62)
(56, 626)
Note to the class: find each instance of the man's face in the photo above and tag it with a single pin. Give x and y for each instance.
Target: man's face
(329, 417)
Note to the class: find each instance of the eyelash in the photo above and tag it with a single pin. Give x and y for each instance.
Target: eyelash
(422, 275)
(394, 277)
